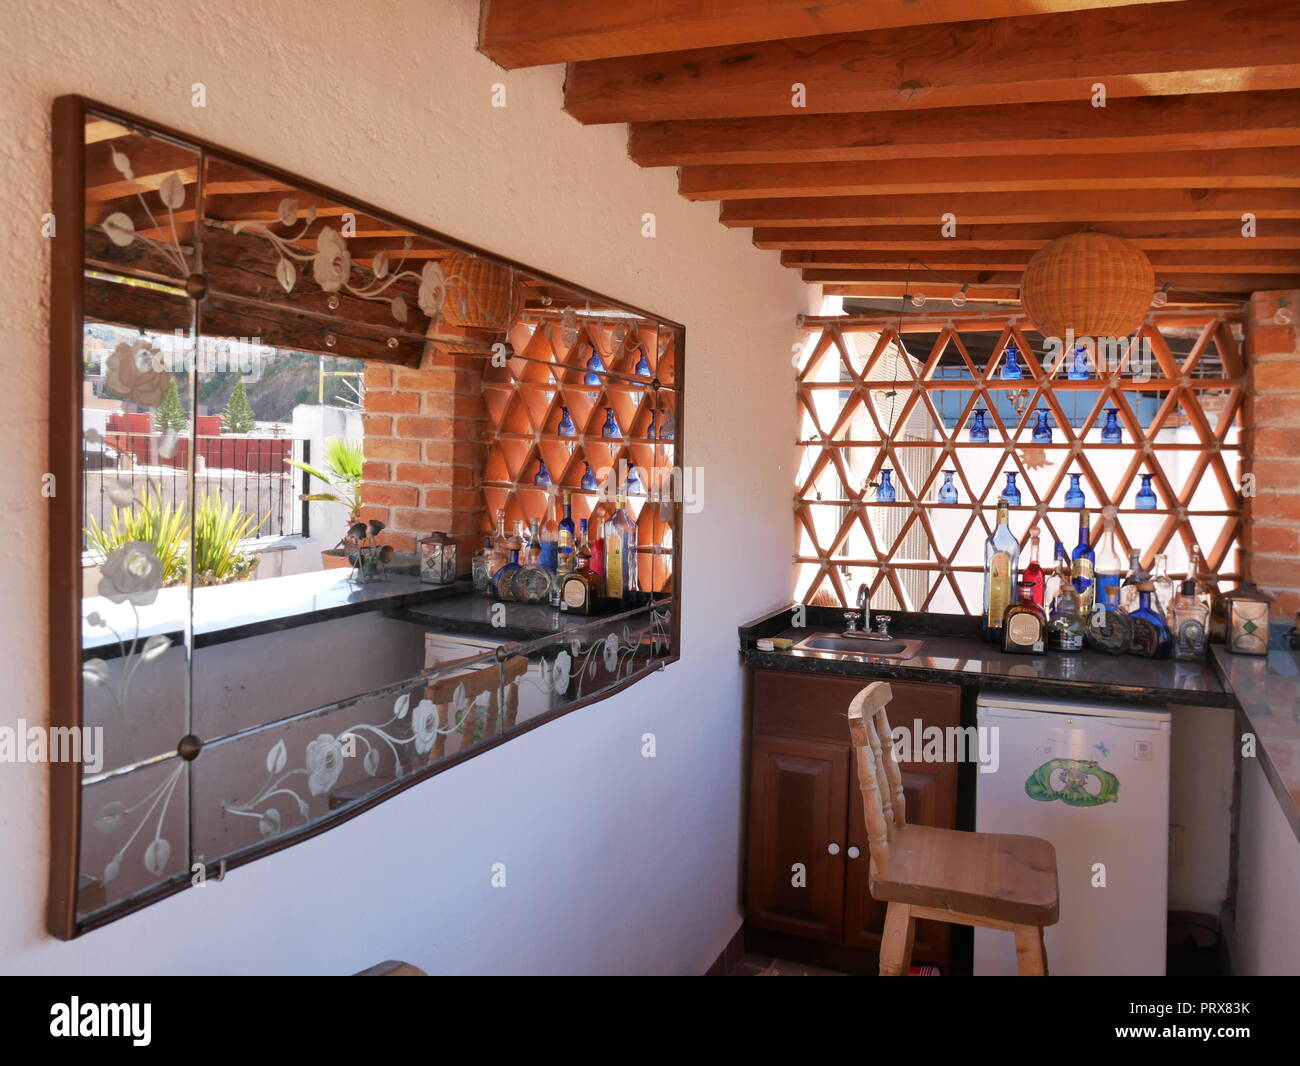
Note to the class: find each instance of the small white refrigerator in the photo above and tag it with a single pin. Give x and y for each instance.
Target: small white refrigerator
(1093, 779)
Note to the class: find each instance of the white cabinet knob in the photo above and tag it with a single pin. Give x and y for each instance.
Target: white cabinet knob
(854, 853)
(834, 849)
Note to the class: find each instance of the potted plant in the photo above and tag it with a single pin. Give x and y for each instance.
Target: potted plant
(344, 460)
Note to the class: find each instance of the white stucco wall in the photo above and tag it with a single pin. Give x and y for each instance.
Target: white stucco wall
(615, 863)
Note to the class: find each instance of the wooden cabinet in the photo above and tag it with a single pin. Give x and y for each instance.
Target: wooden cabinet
(808, 862)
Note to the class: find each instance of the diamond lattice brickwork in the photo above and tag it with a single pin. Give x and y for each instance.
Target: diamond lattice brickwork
(548, 374)
(879, 394)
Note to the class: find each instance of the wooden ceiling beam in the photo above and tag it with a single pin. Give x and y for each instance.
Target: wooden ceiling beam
(1249, 168)
(529, 33)
(1215, 234)
(1196, 46)
(1163, 262)
(1210, 284)
(1196, 122)
(1011, 208)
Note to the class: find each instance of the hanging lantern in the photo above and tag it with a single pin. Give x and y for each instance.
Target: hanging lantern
(480, 294)
(1093, 284)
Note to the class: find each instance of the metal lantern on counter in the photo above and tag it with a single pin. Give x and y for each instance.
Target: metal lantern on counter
(1248, 620)
(437, 559)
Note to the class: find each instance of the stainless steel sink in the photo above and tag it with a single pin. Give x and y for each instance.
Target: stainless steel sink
(860, 646)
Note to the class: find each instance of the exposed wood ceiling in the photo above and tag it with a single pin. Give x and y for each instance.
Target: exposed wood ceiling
(844, 133)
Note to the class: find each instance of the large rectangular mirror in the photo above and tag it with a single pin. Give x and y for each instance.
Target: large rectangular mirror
(342, 502)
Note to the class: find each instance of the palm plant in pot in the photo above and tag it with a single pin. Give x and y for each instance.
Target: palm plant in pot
(344, 462)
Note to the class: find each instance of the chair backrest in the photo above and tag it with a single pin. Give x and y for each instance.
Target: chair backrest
(879, 779)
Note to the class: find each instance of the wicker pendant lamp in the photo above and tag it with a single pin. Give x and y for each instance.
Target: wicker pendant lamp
(1095, 284)
(480, 294)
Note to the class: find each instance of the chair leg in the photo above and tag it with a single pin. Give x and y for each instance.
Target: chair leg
(1031, 955)
(896, 947)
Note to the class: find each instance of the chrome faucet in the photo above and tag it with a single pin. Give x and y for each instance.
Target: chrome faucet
(864, 604)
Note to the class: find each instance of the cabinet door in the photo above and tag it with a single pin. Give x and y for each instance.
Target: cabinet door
(930, 792)
(797, 810)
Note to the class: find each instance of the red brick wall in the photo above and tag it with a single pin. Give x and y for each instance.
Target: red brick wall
(424, 451)
(1271, 451)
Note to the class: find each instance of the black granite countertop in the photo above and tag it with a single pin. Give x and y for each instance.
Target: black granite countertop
(951, 652)
(474, 615)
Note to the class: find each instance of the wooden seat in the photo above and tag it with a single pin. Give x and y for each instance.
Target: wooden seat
(994, 880)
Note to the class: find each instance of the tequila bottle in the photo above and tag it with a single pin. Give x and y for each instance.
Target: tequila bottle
(1001, 553)
(482, 567)
(1059, 577)
(1109, 567)
(1025, 626)
(1035, 576)
(1151, 638)
(1191, 625)
(1162, 595)
(580, 588)
(503, 581)
(550, 541)
(1082, 561)
(1137, 575)
(566, 545)
(1066, 626)
(622, 590)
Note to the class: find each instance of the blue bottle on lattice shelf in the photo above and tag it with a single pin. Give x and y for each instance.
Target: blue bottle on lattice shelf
(1146, 496)
(1074, 498)
(948, 491)
(979, 430)
(1011, 368)
(1042, 431)
(543, 476)
(1110, 432)
(885, 492)
(1011, 494)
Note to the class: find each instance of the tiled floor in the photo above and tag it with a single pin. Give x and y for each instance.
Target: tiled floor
(766, 966)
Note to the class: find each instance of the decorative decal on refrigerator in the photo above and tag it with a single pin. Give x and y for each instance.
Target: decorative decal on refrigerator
(1075, 782)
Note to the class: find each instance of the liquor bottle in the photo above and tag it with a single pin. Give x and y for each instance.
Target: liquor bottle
(588, 483)
(1059, 577)
(1190, 622)
(543, 476)
(1162, 596)
(622, 591)
(1207, 591)
(566, 545)
(566, 427)
(598, 550)
(532, 582)
(1034, 574)
(979, 430)
(579, 589)
(1066, 626)
(1109, 567)
(503, 581)
(1082, 561)
(1010, 493)
(1024, 627)
(482, 566)
(533, 543)
(1001, 552)
(1074, 495)
(1151, 638)
(500, 543)
(1137, 575)
(610, 429)
(550, 539)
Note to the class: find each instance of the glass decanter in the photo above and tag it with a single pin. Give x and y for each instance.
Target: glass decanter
(610, 428)
(543, 476)
(1011, 368)
(1110, 432)
(566, 427)
(1146, 496)
(1074, 495)
(1011, 494)
(588, 483)
(1042, 431)
(948, 491)
(1079, 368)
(594, 369)
(885, 492)
(979, 430)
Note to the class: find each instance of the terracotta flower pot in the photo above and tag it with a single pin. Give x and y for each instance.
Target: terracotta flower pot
(334, 559)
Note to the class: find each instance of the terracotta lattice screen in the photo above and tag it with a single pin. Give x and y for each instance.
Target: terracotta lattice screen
(882, 393)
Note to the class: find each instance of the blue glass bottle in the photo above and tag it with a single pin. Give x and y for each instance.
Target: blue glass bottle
(642, 364)
(948, 491)
(610, 428)
(1151, 636)
(1110, 432)
(886, 493)
(1011, 368)
(567, 428)
(667, 430)
(501, 579)
(1146, 497)
(543, 476)
(1042, 431)
(588, 478)
(979, 431)
(1011, 494)
(1074, 495)
(594, 369)
(1079, 369)
(1083, 561)
(652, 429)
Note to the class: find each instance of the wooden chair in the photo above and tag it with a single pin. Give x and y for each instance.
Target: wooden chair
(946, 875)
(491, 679)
